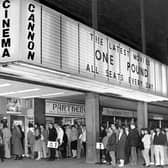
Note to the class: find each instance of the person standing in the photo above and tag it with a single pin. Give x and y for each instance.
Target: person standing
(16, 142)
(127, 147)
(6, 138)
(74, 137)
(60, 134)
(152, 151)
(146, 140)
(133, 142)
(121, 146)
(30, 140)
(2, 151)
(68, 133)
(159, 142)
(52, 136)
(111, 146)
(37, 143)
(44, 140)
(166, 147)
(82, 137)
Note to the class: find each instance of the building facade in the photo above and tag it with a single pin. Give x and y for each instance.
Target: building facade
(61, 70)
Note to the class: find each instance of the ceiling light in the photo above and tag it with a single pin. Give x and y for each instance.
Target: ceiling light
(52, 94)
(20, 91)
(5, 85)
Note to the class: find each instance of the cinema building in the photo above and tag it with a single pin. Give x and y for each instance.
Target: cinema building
(55, 69)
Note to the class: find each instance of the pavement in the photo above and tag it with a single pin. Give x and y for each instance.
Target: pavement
(66, 163)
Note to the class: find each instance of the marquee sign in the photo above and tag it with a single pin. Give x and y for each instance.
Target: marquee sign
(36, 34)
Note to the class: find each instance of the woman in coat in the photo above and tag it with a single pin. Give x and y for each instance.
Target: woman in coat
(37, 143)
(16, 142)
(121, 146)
(111, 146)
(6, 138)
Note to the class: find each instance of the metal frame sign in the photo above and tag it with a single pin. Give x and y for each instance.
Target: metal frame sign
(35, 34)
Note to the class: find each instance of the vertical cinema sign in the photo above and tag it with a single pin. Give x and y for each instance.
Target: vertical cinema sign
(6, 23)
(31, 28)
(9, 29)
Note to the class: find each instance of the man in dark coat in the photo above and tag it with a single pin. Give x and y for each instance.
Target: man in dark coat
(121, 146)
(133, 142)
(52, 136)
(111, 146)
(159, 142)
(2, 150)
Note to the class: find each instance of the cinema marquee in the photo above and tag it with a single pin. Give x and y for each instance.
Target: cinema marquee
(37, 35)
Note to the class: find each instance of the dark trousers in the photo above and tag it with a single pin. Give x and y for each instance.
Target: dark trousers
(52, 153)
(2, 152)
(84, 147)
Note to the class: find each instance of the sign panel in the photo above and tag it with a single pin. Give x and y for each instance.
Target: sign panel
(9, 30)
(118, 112)
(101, 56)
(54, 107)
(69, 52)
(113, 71)
(86, 43)
(158, 77)
(164, 80)
(31, 32)
(125, 64)
(50, 46)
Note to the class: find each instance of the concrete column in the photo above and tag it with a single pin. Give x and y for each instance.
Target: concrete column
(142, 115)
(92, 127)
(39, 110)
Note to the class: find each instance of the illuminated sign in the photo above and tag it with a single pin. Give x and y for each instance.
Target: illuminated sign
(9, 29)
(34, 33)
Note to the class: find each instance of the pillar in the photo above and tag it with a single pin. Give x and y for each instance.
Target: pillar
(92, 127)
(142, 115)
(39, 111)
(94, 14)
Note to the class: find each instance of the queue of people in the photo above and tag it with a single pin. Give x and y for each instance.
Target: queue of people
(124, 145)
(71, 141)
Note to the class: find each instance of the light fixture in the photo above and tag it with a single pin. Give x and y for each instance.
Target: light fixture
(19, 91)
(43, 75)
(29, 97)
(52, 94)
(44, 95)
(5, 85)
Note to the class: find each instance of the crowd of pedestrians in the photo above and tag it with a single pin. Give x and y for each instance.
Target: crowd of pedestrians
(125, 145)
(71, 140)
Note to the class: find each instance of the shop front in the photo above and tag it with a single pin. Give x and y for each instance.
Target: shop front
(64, 113)
(52, 54)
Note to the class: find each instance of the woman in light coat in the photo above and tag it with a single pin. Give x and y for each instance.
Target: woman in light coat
(146, 140)
(6, 137)
(16, 142)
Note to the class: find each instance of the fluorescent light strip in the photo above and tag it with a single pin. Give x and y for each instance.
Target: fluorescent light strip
(5, 85)
(52, 94)
(45, 95)
(20, 91)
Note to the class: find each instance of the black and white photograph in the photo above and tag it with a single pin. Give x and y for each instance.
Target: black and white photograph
(83, 83)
